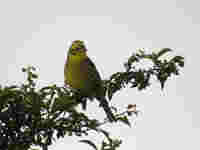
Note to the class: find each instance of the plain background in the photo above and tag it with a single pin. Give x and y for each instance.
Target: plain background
(39, 32)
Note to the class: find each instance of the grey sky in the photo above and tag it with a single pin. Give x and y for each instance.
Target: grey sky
(39, 32)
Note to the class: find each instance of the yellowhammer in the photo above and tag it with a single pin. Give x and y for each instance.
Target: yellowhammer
(81, 74)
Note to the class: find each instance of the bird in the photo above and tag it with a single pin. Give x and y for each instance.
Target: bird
(81, 74)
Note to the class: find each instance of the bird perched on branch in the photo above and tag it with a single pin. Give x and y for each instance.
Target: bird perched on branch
(81, 74)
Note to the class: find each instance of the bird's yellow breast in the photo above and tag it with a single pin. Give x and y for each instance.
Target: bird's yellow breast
(81, 74)
(75, 75)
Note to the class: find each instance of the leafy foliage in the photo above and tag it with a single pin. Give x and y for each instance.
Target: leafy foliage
(140, 78)
(36, 116)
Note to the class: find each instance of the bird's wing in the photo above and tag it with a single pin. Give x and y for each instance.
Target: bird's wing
(92, 72)
(93, 76)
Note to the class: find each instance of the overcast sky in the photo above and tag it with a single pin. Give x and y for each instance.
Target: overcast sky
(39, 32)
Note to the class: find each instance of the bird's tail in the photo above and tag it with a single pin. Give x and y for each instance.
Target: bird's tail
(104, 104)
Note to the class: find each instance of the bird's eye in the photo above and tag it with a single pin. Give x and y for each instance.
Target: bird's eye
(78, 48)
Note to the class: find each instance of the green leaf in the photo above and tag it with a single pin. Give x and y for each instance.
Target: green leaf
(23, 69)
(124, 120)
(179, 60)
(34, 76)
(105, 133)
(89, 143)
(163, 51)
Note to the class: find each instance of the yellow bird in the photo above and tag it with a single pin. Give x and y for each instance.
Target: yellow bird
(81, 74)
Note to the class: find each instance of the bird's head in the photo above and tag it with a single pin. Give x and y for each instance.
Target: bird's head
(77, 48)
(77, 51)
